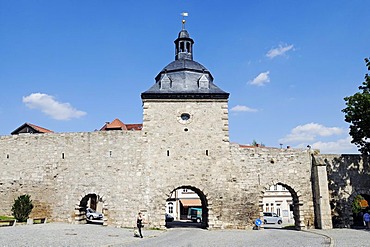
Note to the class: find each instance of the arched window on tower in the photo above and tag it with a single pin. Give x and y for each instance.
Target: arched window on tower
(188, 47)
(182, 47)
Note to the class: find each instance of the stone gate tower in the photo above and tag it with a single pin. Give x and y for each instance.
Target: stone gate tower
(185, 119)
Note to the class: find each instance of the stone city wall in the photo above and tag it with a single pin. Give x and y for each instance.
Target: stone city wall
(131, 171)
(260, 167)
(349, 176)
(57, 170)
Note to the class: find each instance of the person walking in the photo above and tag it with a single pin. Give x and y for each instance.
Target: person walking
(367, 220)
(139, 223)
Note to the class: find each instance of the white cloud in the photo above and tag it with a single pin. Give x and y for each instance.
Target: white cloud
(336, 147)
(261, 79)
(308, 133)
(242, 108)
(279, 51)
(48, 105)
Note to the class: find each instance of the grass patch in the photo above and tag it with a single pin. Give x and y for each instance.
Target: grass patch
(2, 217)
(155, 228)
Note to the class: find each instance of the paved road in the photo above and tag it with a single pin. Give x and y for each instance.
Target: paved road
(61, 234)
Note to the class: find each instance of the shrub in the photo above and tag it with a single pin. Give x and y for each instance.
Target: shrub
(22, 207)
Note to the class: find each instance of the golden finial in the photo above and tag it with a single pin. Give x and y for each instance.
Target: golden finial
(184, 14)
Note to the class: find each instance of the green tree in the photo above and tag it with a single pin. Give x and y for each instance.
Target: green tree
(22, 208)
(255, 144)
(357, 114)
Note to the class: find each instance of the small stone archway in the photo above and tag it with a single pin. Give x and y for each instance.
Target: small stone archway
(203, 198)
(348, 207)
(90, 200)
(298, 214)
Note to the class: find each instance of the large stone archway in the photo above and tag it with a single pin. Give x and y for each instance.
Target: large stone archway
(203, 198)
(297, 203)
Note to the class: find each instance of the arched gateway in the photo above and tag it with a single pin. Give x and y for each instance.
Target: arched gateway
(184, 143)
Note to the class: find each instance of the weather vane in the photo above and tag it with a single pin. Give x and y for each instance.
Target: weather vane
(184, 14)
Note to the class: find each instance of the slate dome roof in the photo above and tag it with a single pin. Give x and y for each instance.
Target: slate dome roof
(184, 64)
(184, 77)
(183, 34)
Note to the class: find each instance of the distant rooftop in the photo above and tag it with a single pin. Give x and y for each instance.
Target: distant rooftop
(30, 128)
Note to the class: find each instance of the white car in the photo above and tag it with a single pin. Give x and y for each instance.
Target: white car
(271, 218)
(169, 218)
(93, 215)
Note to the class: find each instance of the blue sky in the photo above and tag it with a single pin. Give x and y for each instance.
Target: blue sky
(70, 66)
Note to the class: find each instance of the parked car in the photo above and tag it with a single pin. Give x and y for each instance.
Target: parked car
(271, 218)
(169, 218)
(93, 215)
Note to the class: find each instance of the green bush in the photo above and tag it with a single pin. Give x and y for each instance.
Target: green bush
(22, 207)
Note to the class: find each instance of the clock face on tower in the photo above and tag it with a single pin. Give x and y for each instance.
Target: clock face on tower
(185, 116)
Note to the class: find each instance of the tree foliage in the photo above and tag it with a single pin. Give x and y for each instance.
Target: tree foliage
(22, 208)
(255, 144)
(356, 205)
(357, 114)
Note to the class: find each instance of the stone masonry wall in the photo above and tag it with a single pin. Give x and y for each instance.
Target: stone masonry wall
(193, 153)
(57, 170)
(232, 179)
(259, 168)
(348, 175)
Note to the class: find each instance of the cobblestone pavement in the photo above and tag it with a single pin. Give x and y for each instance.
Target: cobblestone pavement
(62, 234)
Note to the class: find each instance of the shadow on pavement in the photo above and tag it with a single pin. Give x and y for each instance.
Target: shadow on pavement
(280, 227)
(95, 222)
(183, 224)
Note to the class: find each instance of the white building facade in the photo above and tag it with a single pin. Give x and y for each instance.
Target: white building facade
(277, 199)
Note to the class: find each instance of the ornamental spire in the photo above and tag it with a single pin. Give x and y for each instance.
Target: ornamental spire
(183, 43)
(184, 14)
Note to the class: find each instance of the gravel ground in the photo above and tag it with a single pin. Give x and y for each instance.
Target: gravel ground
(62, 234)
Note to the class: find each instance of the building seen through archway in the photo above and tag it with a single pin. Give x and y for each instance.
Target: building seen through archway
(186, 206)
(278, 199)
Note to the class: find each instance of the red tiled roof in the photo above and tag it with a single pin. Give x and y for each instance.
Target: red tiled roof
(40, 129)
(257, 146)
(30, 128)
(246, 146)
(117, 124)
(134, 126)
